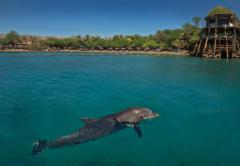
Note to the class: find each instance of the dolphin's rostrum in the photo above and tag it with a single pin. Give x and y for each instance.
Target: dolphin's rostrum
(96, 128)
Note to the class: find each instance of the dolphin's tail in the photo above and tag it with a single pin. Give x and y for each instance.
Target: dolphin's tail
(38, 146)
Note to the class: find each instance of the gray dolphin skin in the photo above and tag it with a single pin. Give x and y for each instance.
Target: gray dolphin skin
(99, 127)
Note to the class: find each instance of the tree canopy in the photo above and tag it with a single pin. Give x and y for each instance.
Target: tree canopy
(182, 38)
(12, 38)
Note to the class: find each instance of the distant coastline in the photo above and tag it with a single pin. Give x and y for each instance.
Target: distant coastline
(117, 52)
(172, 42)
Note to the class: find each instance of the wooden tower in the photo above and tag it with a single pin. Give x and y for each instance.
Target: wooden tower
(221, 36)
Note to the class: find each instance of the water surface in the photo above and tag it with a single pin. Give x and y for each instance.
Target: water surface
(42, 95)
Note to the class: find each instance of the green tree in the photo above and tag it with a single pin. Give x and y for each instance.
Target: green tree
(196, 21)
(171, 36)
(3, 42)
(195, 37)
(150, 44)
(120, 41)
(180, 44)
(77, 42)
(160, 37)
(38, 44)
(12, 38)
(138, 41)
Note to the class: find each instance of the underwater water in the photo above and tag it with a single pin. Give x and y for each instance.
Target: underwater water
(42, 96)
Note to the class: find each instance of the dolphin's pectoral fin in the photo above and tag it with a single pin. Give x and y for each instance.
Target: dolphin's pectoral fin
(38, 146)
(138, 130)
(88, 120)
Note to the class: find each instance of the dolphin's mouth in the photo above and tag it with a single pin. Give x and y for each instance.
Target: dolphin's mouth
(151, 116)
(156, 115)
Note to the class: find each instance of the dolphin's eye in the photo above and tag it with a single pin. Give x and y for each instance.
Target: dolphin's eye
(141, 117)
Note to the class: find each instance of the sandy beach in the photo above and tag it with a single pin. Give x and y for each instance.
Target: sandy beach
(117, 52)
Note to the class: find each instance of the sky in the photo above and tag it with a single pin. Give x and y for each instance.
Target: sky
(102, 17)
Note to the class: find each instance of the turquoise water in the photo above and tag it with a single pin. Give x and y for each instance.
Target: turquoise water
(42, 95)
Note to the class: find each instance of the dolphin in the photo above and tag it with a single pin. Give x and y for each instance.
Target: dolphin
(95, 128)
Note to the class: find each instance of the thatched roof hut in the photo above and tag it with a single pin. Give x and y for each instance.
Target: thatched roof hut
(221, 16)
(221, 36)
(220, 10)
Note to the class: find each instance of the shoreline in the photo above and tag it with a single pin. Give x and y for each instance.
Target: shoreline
(124, 52)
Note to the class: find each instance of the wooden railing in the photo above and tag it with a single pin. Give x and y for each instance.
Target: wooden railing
(230, 47)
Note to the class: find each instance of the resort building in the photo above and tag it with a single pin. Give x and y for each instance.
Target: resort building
(220, 37)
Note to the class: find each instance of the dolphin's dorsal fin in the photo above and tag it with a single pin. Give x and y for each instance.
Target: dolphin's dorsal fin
(138, 130)
(88, 120)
